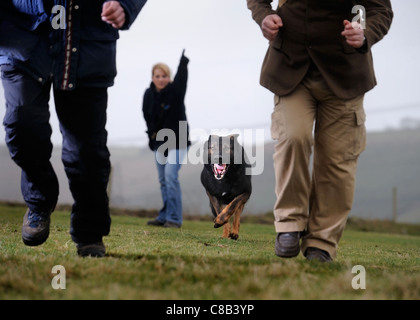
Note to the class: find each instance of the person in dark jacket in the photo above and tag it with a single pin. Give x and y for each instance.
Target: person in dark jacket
(71, 46)
(167, 128)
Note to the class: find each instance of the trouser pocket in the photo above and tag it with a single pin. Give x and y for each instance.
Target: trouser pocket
(356, 135)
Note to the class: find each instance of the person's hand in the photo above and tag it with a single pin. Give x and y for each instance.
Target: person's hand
(113, 13)
(271, 25)
(184, 58)
(354, 34)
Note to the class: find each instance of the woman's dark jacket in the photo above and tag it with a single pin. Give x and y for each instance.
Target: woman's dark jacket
(166, 110)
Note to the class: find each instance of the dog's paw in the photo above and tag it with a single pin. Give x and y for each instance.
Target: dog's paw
(220, 220)
(233, 236)
(216, 225)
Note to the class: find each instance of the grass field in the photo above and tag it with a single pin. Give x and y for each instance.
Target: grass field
(195, 263)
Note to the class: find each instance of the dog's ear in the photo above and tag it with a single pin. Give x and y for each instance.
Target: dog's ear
(206, 152)
(234, 137)
(213, 138)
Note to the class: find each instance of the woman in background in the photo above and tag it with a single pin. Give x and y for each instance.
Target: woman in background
(164, 108)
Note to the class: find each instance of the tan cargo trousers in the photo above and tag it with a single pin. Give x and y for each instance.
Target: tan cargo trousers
(310, 119)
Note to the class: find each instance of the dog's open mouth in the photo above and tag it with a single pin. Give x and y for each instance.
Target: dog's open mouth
(219, 170)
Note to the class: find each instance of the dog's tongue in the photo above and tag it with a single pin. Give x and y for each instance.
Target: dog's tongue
(219, 167)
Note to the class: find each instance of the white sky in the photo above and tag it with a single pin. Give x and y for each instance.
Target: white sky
(226, 49)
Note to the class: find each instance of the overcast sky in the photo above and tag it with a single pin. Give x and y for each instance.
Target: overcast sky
(226, 49)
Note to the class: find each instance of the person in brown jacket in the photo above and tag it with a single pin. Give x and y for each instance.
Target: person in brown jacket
(319, 66)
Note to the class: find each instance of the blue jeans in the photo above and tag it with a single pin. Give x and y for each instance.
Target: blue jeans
(170, 187)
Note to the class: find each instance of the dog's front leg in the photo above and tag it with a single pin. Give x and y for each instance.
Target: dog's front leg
(236, 223)
(214, 203)
(236, 204)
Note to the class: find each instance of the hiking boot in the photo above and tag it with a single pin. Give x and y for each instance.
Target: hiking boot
(35, 228)
(287, 244)
(95, 250)
(169, 224)
(155, 223)
(317, 254)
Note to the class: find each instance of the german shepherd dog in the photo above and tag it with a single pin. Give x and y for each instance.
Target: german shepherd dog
(225, 181)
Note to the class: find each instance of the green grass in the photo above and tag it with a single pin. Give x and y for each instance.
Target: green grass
(194, 262)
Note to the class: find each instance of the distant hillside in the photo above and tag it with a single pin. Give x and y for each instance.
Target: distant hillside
(390, 160)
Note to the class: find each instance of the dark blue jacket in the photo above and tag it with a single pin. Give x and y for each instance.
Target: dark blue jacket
(80, 52)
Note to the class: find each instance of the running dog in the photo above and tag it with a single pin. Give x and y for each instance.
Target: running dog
(225, 181)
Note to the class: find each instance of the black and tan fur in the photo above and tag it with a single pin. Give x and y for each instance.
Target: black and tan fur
(226, 182)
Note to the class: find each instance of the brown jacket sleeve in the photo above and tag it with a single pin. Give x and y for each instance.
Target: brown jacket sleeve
(260, 9)
(378, 20)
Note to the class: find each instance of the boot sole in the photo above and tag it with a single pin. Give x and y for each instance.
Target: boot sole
(288, 254)
(31, 242)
